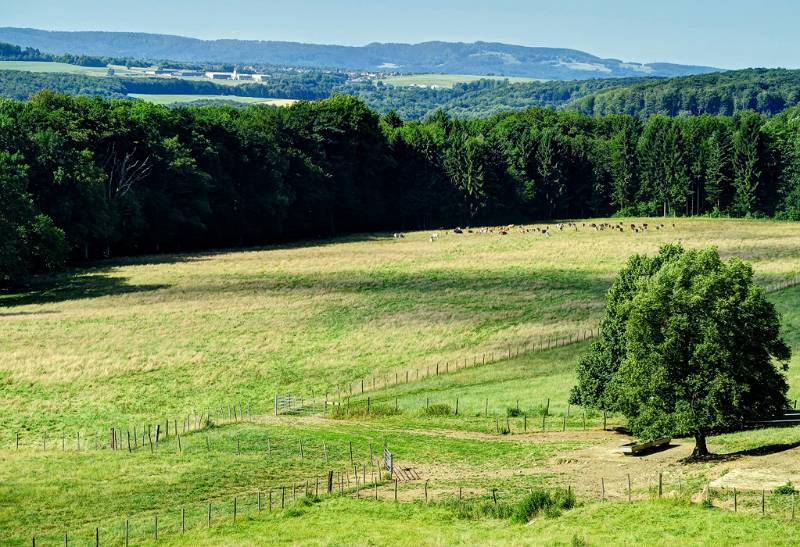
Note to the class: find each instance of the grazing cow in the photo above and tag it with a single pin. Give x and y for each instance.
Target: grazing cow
(434, 236)
(458, 231)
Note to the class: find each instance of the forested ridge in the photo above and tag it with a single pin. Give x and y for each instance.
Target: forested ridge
(16, 84)
(82, 178)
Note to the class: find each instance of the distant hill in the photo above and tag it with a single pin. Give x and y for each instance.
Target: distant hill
(482, 58)
(768, 91)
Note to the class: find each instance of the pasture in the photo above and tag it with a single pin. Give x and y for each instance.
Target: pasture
(131, 343)
(447, 80)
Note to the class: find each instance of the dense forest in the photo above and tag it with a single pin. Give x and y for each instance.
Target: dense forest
(82, 178)
(476, 99)
(769, 91)
(11, 52)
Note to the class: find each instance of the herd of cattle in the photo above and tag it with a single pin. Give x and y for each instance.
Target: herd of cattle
(546, 231)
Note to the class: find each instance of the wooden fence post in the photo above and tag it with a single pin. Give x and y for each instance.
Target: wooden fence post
(629, 487)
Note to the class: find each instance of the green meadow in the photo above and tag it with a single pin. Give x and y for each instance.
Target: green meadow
(206, 340)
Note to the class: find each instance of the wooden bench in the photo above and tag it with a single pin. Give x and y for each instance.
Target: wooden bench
(632, 449)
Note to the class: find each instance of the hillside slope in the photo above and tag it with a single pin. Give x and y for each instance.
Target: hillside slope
(457, 58)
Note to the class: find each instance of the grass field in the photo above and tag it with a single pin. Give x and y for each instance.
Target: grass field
(130, 343)
(447, 80)
(41, 66)
(172, 99)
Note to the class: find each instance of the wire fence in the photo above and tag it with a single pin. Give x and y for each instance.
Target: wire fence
(375, 485)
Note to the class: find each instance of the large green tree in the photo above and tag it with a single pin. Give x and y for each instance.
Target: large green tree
(689, 346)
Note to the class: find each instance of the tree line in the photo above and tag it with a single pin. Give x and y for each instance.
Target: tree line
(11, 52)
(17, 84)
(82, 178)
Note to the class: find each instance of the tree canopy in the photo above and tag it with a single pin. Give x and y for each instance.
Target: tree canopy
(127, 177)
(689, 346)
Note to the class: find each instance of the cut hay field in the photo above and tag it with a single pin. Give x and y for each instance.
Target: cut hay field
(447, 80)
(167, 99)
(130, 343)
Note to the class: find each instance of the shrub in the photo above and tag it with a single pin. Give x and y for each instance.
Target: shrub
(513, 412)
(475, 509)
(786, 490)
(543, 502)
(439, 409)
(342, 412)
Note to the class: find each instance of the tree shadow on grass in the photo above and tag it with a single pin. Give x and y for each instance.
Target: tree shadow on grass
(765, 450)
(70, 287)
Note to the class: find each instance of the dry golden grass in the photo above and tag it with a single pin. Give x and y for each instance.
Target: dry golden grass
(145, 337)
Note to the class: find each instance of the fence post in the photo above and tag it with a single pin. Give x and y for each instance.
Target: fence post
(397, 480)
(126, 532)
(660, 484)
(629, 487)
(209, 515)
(734, 500)
(183, 520)
(602, 489)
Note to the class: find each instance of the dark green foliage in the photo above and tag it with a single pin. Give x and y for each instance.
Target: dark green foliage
(438, 409)
(768, 91)
(28, 240)
(785, 490)
(686, 348)
(538, 502)
(128, 177)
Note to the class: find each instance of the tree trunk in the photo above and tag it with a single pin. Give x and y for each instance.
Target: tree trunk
(700, 448)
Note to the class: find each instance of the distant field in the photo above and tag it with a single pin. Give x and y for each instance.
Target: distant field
(172, 99)
(447, 80)
(37, 66)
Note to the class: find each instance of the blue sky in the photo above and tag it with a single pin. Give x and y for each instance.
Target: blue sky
(726, 34)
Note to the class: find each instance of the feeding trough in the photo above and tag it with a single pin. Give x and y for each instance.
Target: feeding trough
(634, 449)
